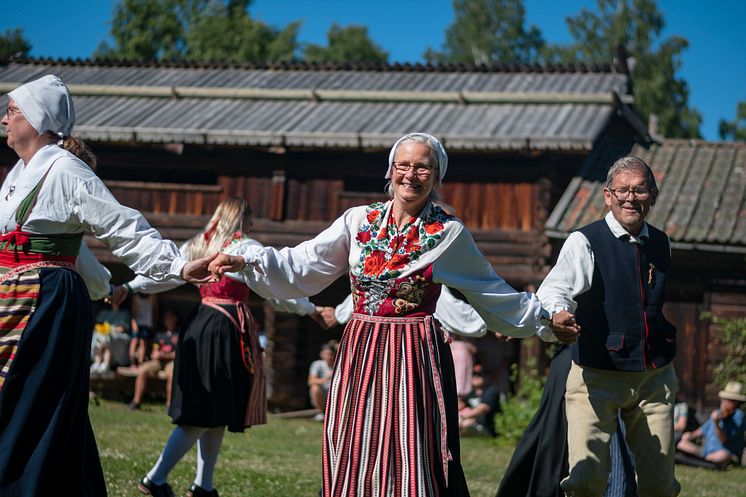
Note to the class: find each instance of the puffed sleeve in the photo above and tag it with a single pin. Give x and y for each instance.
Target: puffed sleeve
(463, 267)
(299, 271)
(125, 231)
(457, 316)
(95, 275)
(343, 311)
(143, 284)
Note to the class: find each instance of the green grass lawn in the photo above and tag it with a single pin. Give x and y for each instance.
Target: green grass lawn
(283, 458)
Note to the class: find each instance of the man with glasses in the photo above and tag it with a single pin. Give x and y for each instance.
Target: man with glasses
(612, 275)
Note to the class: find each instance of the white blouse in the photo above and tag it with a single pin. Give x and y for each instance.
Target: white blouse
(74, 200)
(456, 262)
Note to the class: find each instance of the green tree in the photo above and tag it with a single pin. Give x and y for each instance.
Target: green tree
(488, 31)
(346, 44)
(227, 33)
(150, 29)
(733, 337)
(13, 44)
(205, 30)
(736, 129)
(636, 24)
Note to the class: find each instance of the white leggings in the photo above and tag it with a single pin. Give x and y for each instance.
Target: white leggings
(181, 440)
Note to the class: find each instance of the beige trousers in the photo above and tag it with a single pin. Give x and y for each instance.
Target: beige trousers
(645, 403)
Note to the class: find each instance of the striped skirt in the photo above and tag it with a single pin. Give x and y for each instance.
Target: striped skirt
(391, 424)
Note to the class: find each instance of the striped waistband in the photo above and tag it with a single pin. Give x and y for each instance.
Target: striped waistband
(391, 319)
(22, 268)
(15, 258)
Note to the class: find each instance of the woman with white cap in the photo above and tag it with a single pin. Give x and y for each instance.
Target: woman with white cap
(47, 202)
(391, 423)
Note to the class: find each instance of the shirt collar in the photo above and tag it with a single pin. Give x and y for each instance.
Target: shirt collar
(619, 231)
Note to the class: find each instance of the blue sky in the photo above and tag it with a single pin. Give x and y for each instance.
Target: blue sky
(713, 65)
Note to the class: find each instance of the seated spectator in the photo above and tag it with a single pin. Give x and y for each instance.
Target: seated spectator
(112, 327)
(144, 312)
(723, 434)
(320, 377)
(477, 417)
(684, 419)
(161, 359)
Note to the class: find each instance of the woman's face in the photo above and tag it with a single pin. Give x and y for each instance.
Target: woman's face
(19, 130)
(413, 173)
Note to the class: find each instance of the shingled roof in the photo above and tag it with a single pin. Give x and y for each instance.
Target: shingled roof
(702, 201)
(490, 108)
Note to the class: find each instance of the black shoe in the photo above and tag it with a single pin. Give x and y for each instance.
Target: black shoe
(197, 491)
(146, 486)
(134, 405)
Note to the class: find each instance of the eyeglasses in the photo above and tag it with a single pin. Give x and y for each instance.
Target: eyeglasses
(421, 170)
(623, 192)
(11, 111)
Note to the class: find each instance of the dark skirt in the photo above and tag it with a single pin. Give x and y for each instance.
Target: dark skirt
(539, 462)
(47, 445)
(211, 381)
(391, 422)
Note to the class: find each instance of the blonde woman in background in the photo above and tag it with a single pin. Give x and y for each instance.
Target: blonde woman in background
(218, 377)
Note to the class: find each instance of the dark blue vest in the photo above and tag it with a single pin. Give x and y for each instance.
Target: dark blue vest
(623, 327)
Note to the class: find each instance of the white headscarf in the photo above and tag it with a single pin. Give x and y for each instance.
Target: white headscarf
(435, 145)
(47, 105)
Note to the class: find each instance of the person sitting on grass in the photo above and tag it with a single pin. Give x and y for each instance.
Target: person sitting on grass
(320, 377)
(161, 358)
(722, 433)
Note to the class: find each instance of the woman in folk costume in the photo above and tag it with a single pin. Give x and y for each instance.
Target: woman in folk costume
(219, 380)
(47, 202)
(391, 423)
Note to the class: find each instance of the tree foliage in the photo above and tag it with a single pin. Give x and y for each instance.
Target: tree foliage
(204, 30)
(488, 31)
(736, 129)
(13, 44)
(346, 44)
(733, 338)
(636, 24)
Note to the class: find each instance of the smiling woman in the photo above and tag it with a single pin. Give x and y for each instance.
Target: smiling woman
(394, 371)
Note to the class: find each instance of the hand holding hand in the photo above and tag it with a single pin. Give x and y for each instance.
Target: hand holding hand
(324, 316)
(564, 327)
(118, 294)
(225, 263)
(197, 271)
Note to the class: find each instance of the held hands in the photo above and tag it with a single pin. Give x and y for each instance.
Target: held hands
(324, 316)
(225, 263)
(564, 327)
(118, 294)
(197, 271)
(502, 338)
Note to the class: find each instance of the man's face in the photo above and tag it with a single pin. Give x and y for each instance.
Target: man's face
(728, 407)
(630, 210)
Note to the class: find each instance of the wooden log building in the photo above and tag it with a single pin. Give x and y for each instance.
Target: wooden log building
(304, 142)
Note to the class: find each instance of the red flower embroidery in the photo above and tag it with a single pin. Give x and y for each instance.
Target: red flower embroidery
(398, 261)
(375, 263)
(372, 215)
(433, 228)
(413, 235)
(363, 236)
